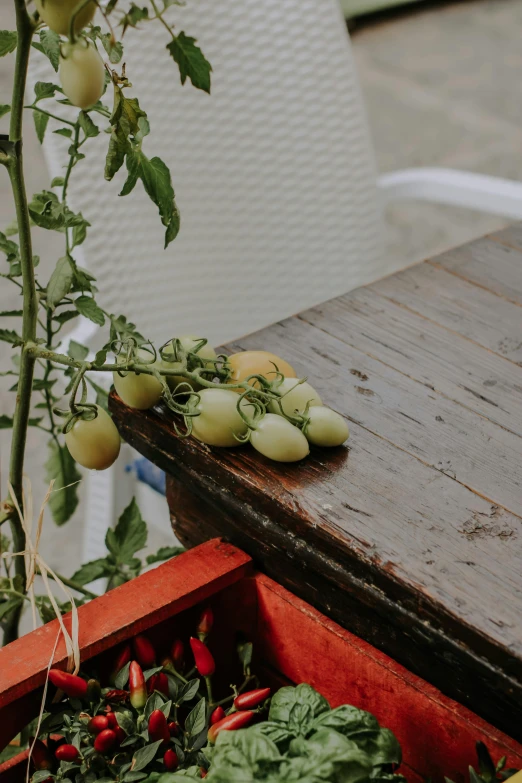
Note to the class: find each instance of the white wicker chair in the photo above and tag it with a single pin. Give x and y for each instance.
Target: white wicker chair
(274, 176)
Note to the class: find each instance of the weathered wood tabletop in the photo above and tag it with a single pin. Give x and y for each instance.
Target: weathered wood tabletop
(412, 535)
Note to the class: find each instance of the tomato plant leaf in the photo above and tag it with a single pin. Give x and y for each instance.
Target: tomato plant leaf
(6, 607)
(4, 109)
(8, 42)
(133, 166)
(9, 336)
(57, 182)
(77, 351)
(191, 61)
(44, 90)
(41, 122)
(87, 307)
(129, 535)
(87, 125)
(50, 43)
(6, 422)
(61, 467)
(113, 48)
(60, 282)
(157, 182)
(64, 132)
(95, 569)
(118, 147)
(133, 16)
(164, 553)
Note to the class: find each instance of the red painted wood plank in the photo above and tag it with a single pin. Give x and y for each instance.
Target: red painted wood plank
(123, 612)
(437, 735)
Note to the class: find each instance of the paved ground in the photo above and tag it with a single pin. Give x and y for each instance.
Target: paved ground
(443, 86)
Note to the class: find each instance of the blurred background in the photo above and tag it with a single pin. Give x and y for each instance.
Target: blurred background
(442, 84)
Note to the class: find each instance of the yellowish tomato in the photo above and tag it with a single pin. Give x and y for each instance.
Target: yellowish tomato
(57, 14)
(248, 363)
(95, 444)
(82, 73)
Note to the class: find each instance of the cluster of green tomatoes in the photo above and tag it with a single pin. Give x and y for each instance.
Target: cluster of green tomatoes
(82, 72)
(250, 396)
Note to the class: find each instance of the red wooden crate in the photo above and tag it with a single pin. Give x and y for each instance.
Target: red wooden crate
(292, 642)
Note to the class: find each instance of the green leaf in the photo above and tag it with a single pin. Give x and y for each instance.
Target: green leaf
(191, 61)
(133, 16)
(64, 132)
(196, 720)
(44, 90)
(347, 720)
(87, 307)
(122, 678)
(133, 166)
(4, 109)
(144, 756)
(57, 182)
(7, 246)
(8, 42)
(118, 147)
(41, 122)
(9, 336)
(129, 535)
(6, 422)
(6, 607)
(188, 690)
(157, 182)
(87, 125)
(77, 351)
(102, 395)
(60, 282)
(50, 42)
(113, 48)
(285, 698)
(96, 569)
(65, 316)
(11, 229)
(61, 467)
(165, 553)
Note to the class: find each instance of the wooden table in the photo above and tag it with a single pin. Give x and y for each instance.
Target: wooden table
(412, 536)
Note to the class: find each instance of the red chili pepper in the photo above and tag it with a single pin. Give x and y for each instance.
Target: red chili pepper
(120, 735)
(159, 682)
(178, 654)
(157, 726)
(70, 684)
(66, 753)
(144, 651)
(122, 658)
(206, 621)
(251, 699)
(204, 772)
(99, 723)
(138, 688)
(202, 658)
(237, 720)
(116, 696)
(40, 756)
(170, 760)
(173, 728)
(106, 739)
(112, 720)
(218, 714)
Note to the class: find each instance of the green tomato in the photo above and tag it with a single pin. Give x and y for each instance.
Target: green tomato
(95, 444)
(57, 14)
(138, 391)
(82, 73)
(219, 419)
(296, 397)
(326, 427)
(278, 439)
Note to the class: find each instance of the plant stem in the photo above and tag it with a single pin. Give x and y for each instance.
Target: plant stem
(25, 29)
(49, 114)
(74, 585)
(160, 17)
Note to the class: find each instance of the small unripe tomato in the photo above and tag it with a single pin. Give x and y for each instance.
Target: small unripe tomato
(57, 14)
(278, 439)
(326, 427)
(95, 444)
(296, 396)
(140, 391)
(248, 363)
(82, 73)
(219, 419)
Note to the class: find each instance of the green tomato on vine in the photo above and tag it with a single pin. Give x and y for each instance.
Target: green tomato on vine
(57, 14)
(82, 73)
(94, 443)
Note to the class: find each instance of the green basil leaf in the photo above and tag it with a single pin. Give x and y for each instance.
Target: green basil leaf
(285, 698)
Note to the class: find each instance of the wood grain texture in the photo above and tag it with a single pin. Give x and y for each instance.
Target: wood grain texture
(412, 536)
